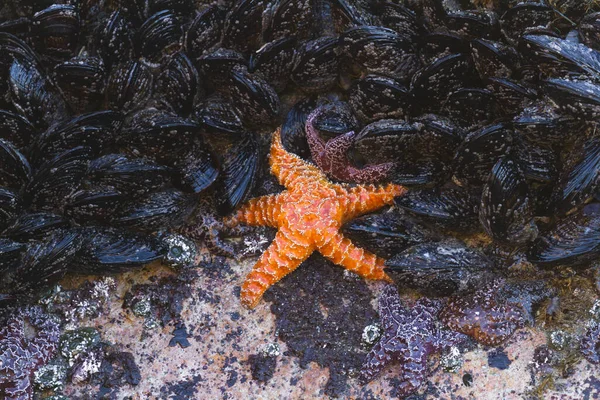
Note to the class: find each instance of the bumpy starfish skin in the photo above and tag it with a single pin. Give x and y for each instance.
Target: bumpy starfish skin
(332, 157)
(308, 216)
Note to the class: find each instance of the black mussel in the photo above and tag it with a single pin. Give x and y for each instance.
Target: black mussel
(81, 80)
(387, 140)
(56, 30)
(556, 55)
(423, 172)
(10, 254)
(316, 65)
(275, 61)
(240, 168)
(183, 8)
(20, 27)
(178, 84)
(204, 32)
(440, 44)
(293, 136)
(159, 34)
(399, 18)
(377, 97)
(287, 18)
(57, 178)
(335, 118)
(433, 84)
(243, 25)
(34, 226)
(539, 163)
(46, 262)
(130, 175)
(387, 233)
(196, 168)
(452, 208)
(479, 152)
(10, 206)
(217, 115)
(439, 137)
(474, 23)
(493, 59)
(506, 210)
(380, 50)
(574, 241)
(129, 86)
(439, 269)
(255, 100)
(546, 127)
(580, 98)
(582, 181)
(100, 206)
(14, 167)
(168, 208)
(13, 49)
(346, 14)
(15, 128)
(217, 65)
(511, 95)
(525, 16)
(34, 96)
(472, 107)
(108, 250)
(589, 30)
(114, 39)
(97, 130)
(160, 134)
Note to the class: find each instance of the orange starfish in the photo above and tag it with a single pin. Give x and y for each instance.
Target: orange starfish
(308, 216)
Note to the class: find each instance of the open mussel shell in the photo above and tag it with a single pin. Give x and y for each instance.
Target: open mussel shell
(15, 128)
(387, 233)
(582, 181)
(10, 254)
(493, 59)
(316, 65)
(217, 115)
(506, 211)
(10, 206)
(34, 226)
(196, 169)
(204, 32)
(34, 96)
(479, 152)
(128, 174)
(243, 25)
(240, 169)
(452, 208)
(178, 84)
(158, 35)
(524, 16)
(379, 97)
(128, 86)
(81, 80)
(56, 30)
(580, 98)
(275, 61)
(255, 99)
(574, 241)
(114, 39)
(108, 250)
(439, 269)
(14, 167)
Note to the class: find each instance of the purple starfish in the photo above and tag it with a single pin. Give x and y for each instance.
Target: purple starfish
(21, 355)
(331, 156)
(410, 335)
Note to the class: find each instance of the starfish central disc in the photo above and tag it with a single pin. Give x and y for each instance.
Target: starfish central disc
(308, 217)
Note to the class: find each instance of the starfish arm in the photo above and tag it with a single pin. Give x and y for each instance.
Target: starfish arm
(381, 355)
(283, 256)
(260, 211)
(341, 251)
(336, 148)
(359, 200)
(291, 169)
(314, 140)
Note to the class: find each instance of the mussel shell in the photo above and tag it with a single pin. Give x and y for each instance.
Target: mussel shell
(293, 135)
(114, 39)
(335, 118)
(10, 254)
(240, 169)
(255, 99)
(574, 241)
(196, 169)
(439, 269)
(13, 49)
(436, 45)
(316, 65)
(379, 97)
(217, 66)
(129, 86)
(581, 183)
(512, 96)
(589, 30)
(480, 151)
(217, 115)
(493, 59)
(386, 139)
(387, 233)
(243, 25)
(81, 80)
(472, 107)
(159, 33)
(130, 175)
(539, 163)
(10, 206)
(204, 32)
(506, 211)
(56, 29)
(285, 18)
(474, 23)
(34, 226)
(452, 208)
(15, 128)
(275, 60)
(580, 98)
(422, 172)
(545, 127)
(524, 16)
(96, 205)
(14, 167)
(400, 19)
(178, 84)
